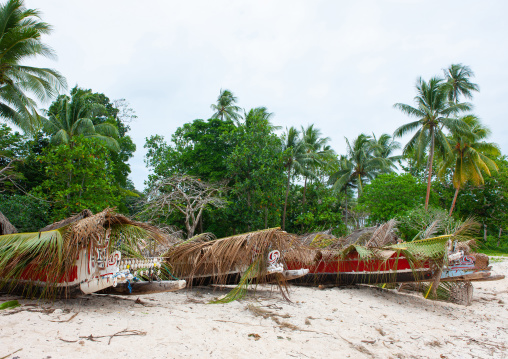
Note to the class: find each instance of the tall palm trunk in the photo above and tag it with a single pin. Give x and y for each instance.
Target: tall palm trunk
(360, 189)
(286, 200)
(454, 200)
(431, 159)
(346, 213)
(304, 190)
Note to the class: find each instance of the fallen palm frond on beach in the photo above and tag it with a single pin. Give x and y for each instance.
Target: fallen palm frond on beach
(49, 256)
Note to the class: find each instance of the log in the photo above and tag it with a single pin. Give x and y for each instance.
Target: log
(468, 277)
(488, 279)
(138, 288)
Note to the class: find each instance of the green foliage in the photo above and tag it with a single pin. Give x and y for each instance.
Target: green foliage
(391, 195)
(423, 223)
(495, 243)
(25, 212)
(321, 211)
(72, 117)
(488, 203)
(92, 114)
(78, 177)
(363, 162)
(225, 109)
(199, 148)
(20, 39)
(255, 167)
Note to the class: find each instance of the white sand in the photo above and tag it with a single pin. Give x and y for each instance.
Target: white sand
(359, 322)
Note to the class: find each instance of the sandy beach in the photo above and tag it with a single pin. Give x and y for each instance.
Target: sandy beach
(348, 322)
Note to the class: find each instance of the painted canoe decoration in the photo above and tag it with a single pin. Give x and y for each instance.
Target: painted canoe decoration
(245, 259)
(389, 265)
(82, 255)
(376, 259)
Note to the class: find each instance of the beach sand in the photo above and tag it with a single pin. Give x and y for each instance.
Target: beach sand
(352, 322)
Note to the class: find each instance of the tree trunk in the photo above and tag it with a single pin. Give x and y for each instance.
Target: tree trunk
(304, 190)
(484, 232)
(286, 200)
(499, 237)
(454, 200)
(431, 159)
(360, 189)
(346, 213)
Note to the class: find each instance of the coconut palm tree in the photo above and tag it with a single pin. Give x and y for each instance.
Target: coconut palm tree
(469, 156)
(360, 165)
(346, 183)
(225, 107)
(70, 118)
(384, 148)
(295, 158)
(20, 40)
(457, 82)
(260, 114)
(434, 113)
(317, 152)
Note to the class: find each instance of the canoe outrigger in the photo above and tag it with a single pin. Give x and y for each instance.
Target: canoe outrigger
(81, 257)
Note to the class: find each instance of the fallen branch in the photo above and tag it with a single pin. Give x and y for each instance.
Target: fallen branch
(66, 320)
(123, 333)
(68, 341)
(8, 355)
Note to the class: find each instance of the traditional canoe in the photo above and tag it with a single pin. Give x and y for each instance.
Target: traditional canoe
(82, 255)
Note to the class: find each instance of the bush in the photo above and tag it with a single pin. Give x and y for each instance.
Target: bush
(26, 213)
(392, 195)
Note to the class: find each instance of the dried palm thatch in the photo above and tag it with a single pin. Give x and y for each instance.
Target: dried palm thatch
(50, 255)
(245, 253)
(5, 226)
(83, 214)
(317, 239)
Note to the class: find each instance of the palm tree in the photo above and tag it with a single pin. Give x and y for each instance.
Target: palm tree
(317, 152)
(260, 114)
(295, 158)
(384, 148)
(225, 107)
(359, 166)
(469, 156)
(433, 112)
(457, 82)
(348, 182)
(20, 39)
(70, 118)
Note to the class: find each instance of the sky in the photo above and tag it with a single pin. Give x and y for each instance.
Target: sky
(340, 65)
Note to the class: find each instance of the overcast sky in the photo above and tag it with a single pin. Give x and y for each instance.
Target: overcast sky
(338, 64)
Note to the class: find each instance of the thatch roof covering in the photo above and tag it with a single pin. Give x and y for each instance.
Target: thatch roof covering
(83, 214)
(5, 226)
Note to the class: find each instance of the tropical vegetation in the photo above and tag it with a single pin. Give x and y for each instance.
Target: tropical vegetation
(75, 154)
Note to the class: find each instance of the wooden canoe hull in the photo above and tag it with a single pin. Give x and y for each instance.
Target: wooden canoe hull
(140, 288)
